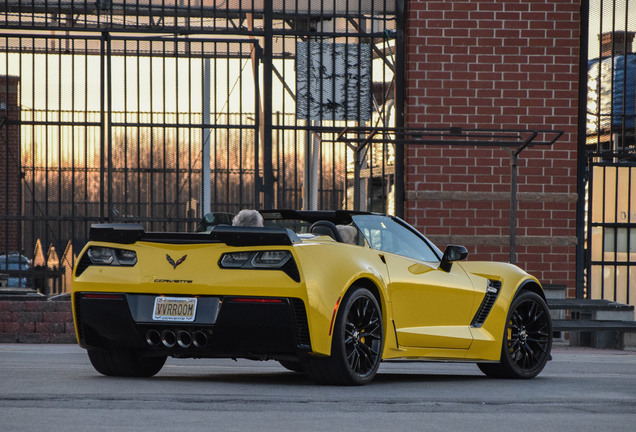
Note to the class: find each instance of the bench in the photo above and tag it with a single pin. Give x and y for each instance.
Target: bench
(598, 323)
(45, 280)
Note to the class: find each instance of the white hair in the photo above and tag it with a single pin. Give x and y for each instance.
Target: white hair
(248, 218)
(348, 233)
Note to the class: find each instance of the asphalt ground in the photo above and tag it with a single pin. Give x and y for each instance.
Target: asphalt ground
(54, 388)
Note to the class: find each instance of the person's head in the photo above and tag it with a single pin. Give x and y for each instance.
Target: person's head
(348, 233)
(248, 218)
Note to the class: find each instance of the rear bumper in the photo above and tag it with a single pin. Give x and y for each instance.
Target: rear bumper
(225, 326)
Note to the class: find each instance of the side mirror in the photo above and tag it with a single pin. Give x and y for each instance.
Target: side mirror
(451, 254)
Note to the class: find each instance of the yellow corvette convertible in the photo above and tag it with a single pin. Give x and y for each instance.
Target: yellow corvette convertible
(295, 291)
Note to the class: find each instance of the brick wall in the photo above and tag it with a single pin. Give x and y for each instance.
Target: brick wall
(510, 65)
(36, 321)
(9, 162)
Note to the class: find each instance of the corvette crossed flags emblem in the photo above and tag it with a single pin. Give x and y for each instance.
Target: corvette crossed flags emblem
(175, 264)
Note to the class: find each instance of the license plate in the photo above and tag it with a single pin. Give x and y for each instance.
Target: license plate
(174, 309)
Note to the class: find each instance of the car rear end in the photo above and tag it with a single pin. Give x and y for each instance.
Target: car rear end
(232, 292)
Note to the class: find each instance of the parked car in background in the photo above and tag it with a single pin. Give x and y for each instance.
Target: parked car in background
(15, 262)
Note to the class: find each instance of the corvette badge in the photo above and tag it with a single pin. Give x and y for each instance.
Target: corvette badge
(175, 264)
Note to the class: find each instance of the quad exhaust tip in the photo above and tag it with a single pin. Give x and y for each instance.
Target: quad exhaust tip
(182, 338)
(199, 339)
(168, 338)
(153, 338)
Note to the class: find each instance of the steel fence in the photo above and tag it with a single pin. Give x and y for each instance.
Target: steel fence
(610, 153)
(159, 112)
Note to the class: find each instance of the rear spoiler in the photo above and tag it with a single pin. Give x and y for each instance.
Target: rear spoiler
(230, 235)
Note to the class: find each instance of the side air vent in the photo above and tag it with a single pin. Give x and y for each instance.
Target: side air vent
(82, 265)
(492, 291)
(291, 269)
(302, 326)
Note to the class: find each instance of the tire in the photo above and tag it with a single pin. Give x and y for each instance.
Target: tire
(125, 363)
(294, 366)
(527, 339)
(356, 347)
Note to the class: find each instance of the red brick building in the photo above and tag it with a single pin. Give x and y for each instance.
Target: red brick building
(507, 64)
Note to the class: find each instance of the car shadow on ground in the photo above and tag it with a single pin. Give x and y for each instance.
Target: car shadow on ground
(299, 379)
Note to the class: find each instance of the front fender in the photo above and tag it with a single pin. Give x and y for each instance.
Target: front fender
(488, 339)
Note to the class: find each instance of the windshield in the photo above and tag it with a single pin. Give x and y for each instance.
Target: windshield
(385, 234)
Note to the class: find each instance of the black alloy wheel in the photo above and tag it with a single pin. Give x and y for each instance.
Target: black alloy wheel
(362, 336)
(527, 339)
(358, 339)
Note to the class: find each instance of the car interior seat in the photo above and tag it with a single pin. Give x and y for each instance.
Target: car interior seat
(324, 227)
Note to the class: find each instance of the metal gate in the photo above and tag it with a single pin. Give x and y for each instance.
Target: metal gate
(159, 112)
(610, 153)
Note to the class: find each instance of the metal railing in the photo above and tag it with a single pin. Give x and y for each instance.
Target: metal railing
(610, 155)
(160, 111)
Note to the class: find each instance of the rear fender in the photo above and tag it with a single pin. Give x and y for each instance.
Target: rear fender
(328, 283)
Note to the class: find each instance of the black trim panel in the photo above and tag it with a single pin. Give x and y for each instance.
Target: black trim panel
(230, 235)
(245, 327)
(492, 292)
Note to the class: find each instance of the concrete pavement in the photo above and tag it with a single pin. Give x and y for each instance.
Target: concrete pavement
(53, 387)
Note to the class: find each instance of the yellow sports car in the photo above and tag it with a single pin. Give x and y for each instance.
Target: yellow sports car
(327, 293)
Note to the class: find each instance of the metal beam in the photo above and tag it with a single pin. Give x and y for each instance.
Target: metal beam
(400, 98)
(268, 172)
(581, 154)
(514, 140)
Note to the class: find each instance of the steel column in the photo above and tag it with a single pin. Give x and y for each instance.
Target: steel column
(400, 95)
(268, 71)
(581, 157)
